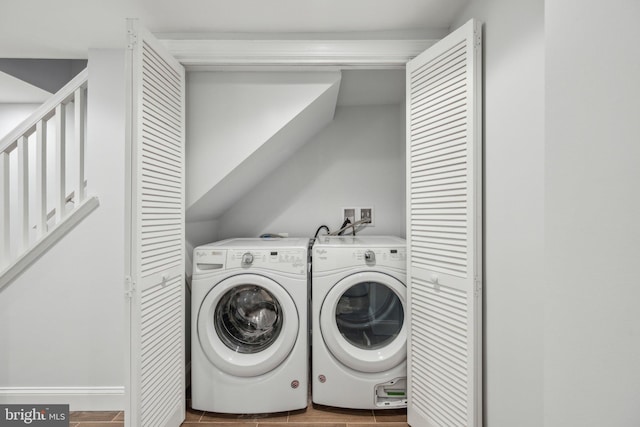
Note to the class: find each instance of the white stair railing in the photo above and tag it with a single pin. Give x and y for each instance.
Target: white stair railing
(42, 174)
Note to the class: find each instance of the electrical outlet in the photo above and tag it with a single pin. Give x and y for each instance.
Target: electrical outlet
(357, 214)
(348, 213)
(366, 213)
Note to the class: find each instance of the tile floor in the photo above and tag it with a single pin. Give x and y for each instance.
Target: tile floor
(96, 419)
(312, 416)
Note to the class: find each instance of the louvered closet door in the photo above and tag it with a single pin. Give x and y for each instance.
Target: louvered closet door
(444, 235)
(156, 253)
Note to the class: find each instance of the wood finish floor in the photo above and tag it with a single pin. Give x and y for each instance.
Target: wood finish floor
(312, 416)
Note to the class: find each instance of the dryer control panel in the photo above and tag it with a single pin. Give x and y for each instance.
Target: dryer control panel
(327, 259)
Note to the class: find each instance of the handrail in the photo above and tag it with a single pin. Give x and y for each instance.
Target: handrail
(54, 142)
(45, 111)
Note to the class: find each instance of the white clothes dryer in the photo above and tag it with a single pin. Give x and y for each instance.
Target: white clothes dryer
(359, 335)
(249, 326)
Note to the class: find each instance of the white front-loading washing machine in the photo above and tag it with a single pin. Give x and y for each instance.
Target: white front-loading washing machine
(359, 331)
(249, 325)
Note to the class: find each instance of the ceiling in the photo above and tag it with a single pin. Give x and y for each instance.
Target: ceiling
(68, 28)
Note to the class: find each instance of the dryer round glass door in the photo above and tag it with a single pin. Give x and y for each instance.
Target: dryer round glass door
(247, 325)
(362, 321)
(369, 315)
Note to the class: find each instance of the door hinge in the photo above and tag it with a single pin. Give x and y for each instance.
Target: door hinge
(477, 288)
(129, 287)
(132, 39)
(477, 38)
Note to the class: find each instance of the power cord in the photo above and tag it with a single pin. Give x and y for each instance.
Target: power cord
(346, 224)
(315, 236)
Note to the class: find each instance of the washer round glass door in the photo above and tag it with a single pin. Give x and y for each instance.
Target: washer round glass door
(247, 325)
(362, 321)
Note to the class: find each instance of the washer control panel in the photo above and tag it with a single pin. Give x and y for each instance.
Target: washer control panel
(282, 260)
(206, 259)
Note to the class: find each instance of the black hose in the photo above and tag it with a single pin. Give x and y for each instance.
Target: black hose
(344, 224)
(320, 228)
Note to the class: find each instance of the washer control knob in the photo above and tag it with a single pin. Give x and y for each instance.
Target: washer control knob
(247, 258)
(370, 256)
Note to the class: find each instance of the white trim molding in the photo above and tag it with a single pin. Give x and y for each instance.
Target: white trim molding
(78, 398)
(339, 53)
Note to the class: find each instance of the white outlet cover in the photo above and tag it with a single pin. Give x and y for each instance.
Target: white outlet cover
(350, 213)
(366, 212)
(356, 214)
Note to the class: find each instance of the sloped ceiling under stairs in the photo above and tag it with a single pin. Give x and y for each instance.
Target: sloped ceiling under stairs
(242, 126)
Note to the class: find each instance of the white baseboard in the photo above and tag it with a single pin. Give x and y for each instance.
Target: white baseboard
(78, 398)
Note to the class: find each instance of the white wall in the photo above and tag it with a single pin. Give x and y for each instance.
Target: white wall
(61, 321)
(562, 322)
(198, 233)
(230, 115)
(592, 212)
(514, 208)
(358, 160)
(11, 115)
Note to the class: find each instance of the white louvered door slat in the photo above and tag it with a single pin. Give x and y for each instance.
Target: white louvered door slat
(156, 253)
(444, 232)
